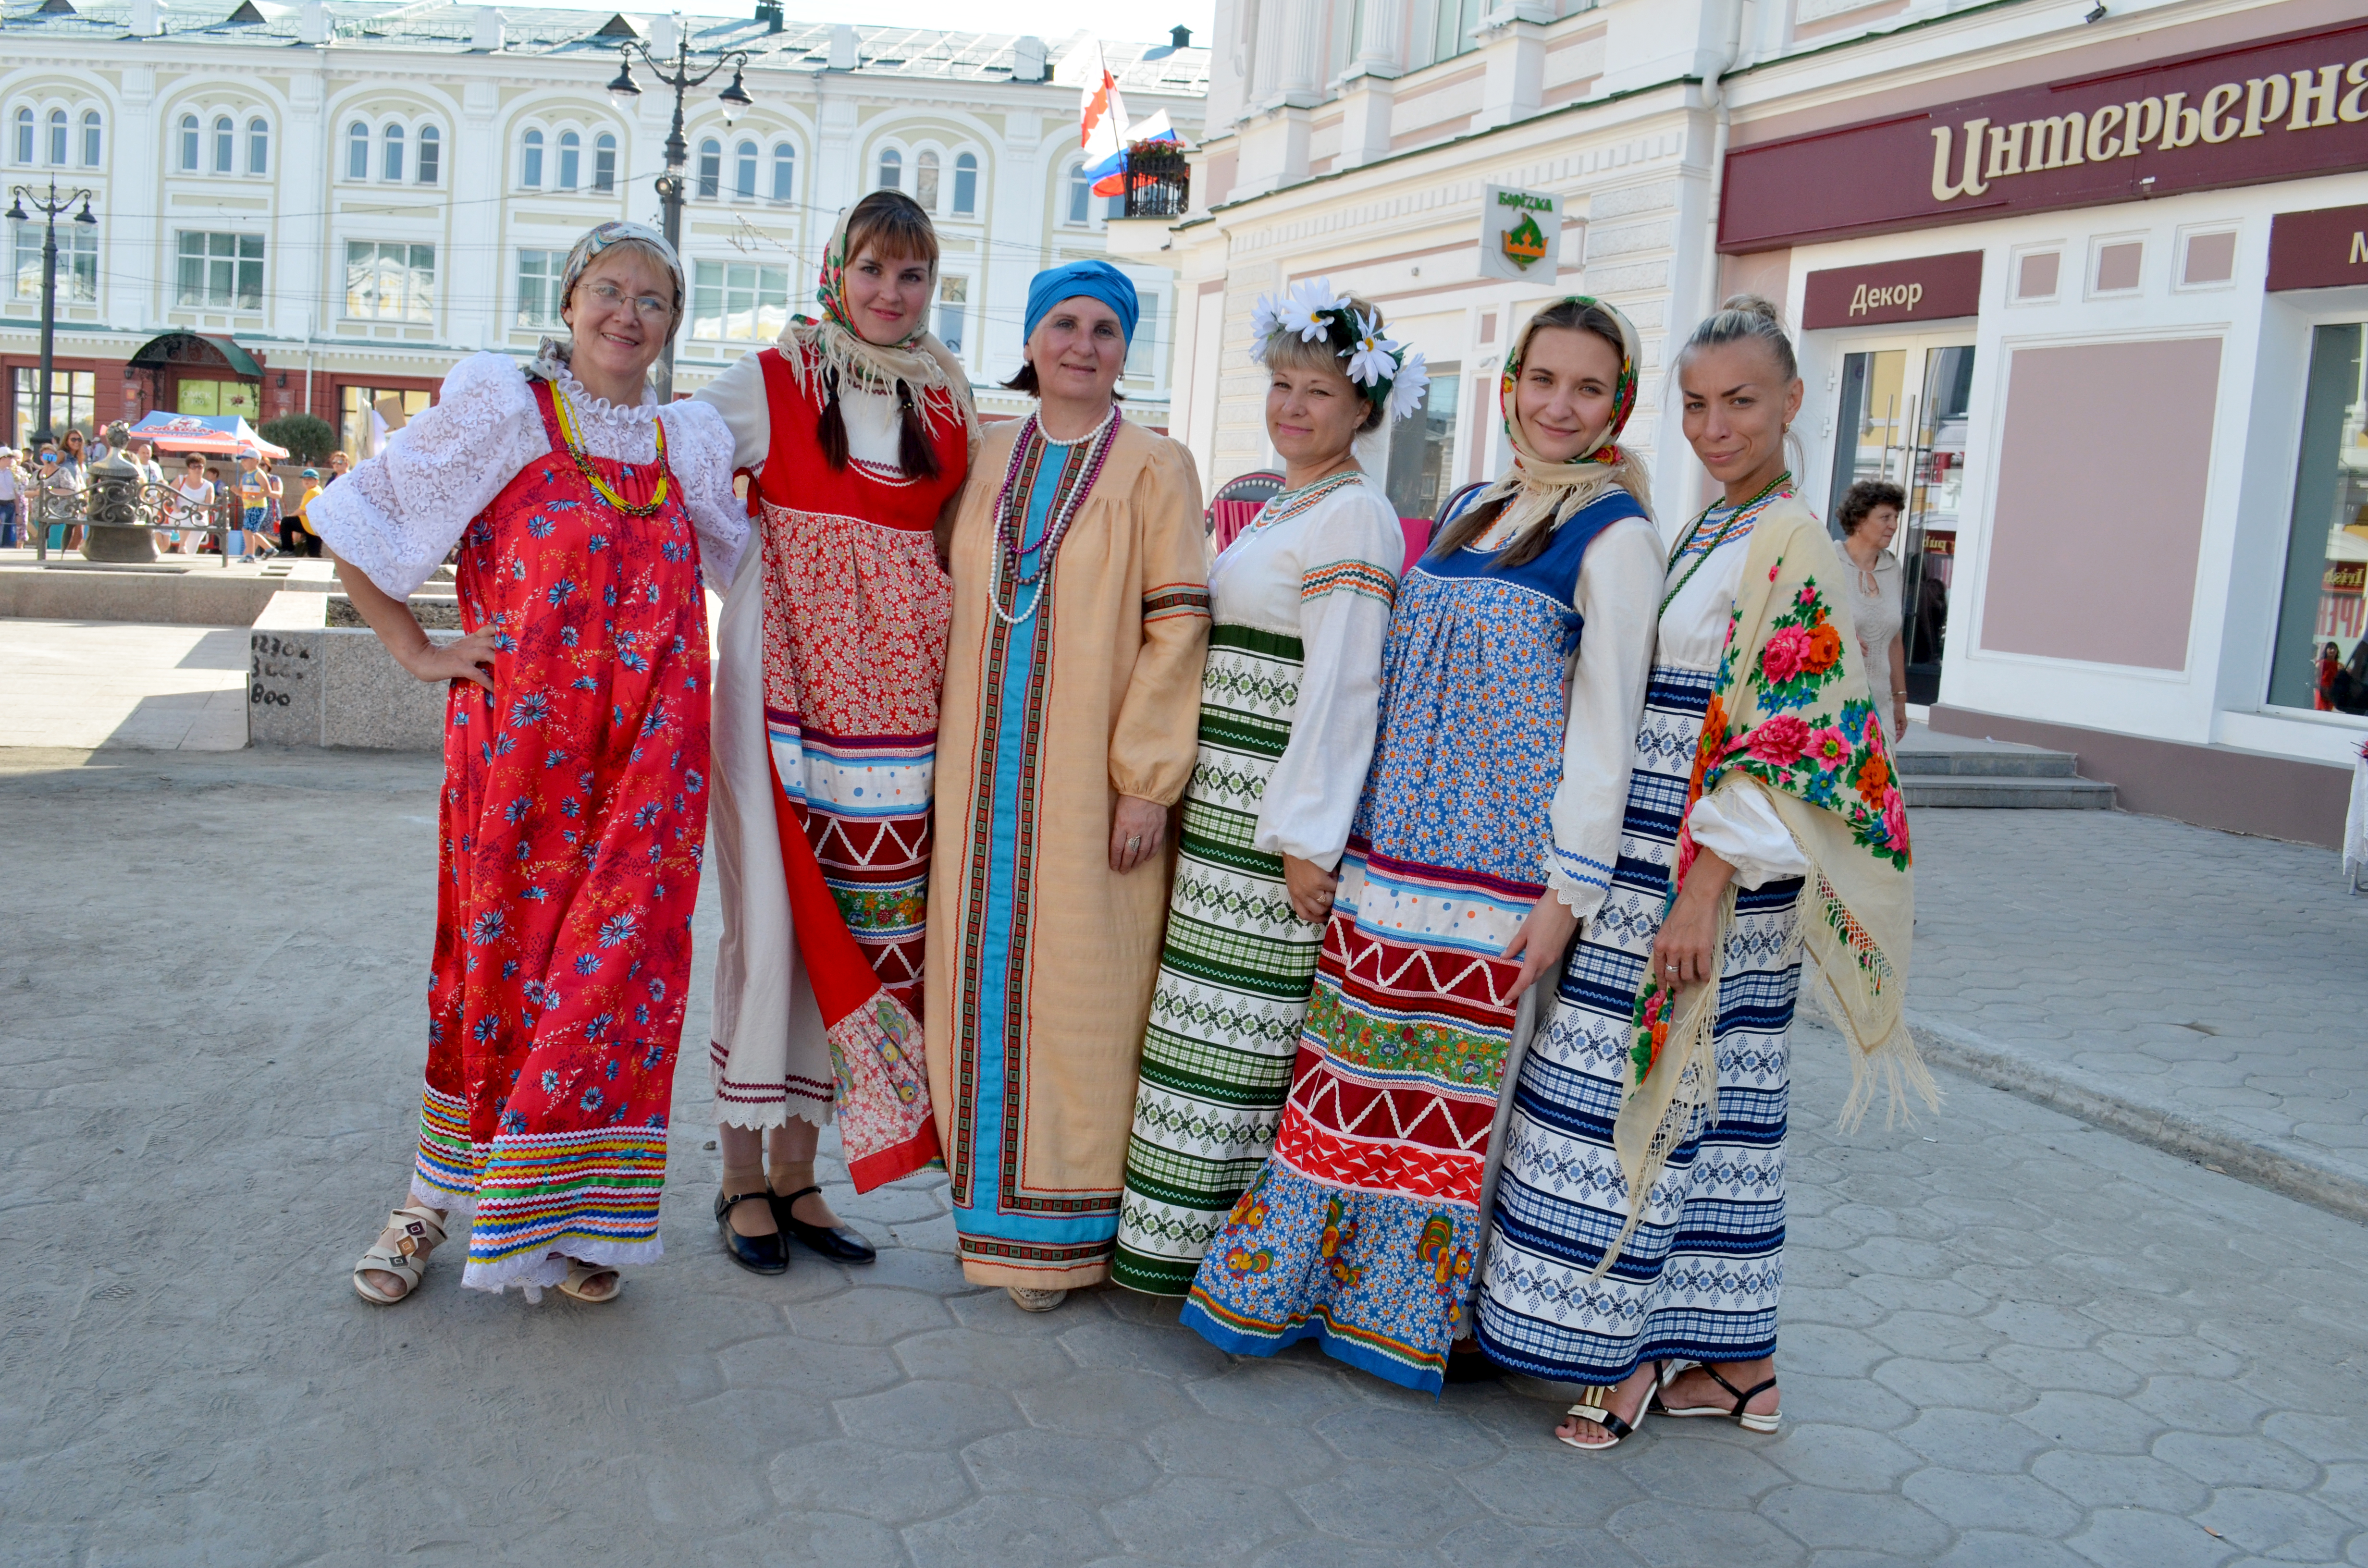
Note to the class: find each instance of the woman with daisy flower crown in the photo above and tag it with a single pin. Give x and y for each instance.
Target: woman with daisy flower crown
(573, 809)
(1300, 601)
(1511, 679)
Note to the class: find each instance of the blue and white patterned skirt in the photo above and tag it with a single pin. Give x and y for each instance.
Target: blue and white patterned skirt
(1699, 1278)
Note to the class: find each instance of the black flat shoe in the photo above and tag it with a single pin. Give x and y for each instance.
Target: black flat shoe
(834, 1242)
(758, 1255)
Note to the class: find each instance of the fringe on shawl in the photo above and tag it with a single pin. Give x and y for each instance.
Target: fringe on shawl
(819, 353)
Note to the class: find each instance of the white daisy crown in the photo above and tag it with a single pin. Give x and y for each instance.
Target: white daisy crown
(1390, 373)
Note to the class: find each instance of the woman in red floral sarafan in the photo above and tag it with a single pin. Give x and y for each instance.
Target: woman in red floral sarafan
(574, 799)
(1636, 1244)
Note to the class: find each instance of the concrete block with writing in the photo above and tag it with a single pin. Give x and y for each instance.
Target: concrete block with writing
(313, 685)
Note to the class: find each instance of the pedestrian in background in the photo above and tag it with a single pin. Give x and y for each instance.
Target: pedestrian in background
(574, 803)
(296, 535)
(275, 494)
(1869, 520)
(251, 496)
(58, 498)
(1301, 602)
(1067, 733)
(72, 492)
(1511, 683)
(859, 427)
(193, 506)
(1638, 1242)
(8, 498)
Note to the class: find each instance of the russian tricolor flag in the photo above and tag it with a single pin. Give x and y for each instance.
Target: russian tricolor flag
(1103, 131)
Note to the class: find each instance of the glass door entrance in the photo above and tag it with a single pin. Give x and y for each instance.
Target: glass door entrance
(1902, 418)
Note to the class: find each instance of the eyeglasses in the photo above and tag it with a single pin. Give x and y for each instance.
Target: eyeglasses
(648, 306)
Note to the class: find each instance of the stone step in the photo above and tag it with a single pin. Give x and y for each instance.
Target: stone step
(2059, 793)
(1994, 761)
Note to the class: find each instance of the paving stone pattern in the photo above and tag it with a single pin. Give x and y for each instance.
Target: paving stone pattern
(2224, 976)
(2009, 1339)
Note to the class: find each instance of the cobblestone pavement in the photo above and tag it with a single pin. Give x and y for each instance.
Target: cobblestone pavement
(2207, 979)
(2009, 1338)
(83, 683)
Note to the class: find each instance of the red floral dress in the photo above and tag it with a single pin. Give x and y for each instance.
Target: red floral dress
(573, 822)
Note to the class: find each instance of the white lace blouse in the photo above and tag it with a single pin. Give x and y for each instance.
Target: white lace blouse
(398, 515)
(1274, 579)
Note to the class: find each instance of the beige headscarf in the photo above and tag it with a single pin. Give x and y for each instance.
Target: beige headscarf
(833, 349)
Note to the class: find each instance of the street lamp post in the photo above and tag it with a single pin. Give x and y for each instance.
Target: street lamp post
(50, 209)
(679, 75)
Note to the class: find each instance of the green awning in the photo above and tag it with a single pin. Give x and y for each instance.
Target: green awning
(183, 347)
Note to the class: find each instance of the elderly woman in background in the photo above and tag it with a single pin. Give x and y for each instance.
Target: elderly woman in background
(1869, 520)
(574, 803)
(1066, 733)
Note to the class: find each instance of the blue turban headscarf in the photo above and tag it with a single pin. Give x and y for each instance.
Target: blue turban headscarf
(1093, 279)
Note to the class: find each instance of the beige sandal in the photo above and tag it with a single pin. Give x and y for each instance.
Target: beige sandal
(1029, 1300)
(579, 1273)
(418, 1231)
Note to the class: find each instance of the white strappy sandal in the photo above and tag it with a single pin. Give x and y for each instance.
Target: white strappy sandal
(418, 1230)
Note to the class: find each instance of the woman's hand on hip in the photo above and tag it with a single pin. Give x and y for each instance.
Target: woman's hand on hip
(1311, 888)
(1138, 829)
(1542, 939)
(462, 660)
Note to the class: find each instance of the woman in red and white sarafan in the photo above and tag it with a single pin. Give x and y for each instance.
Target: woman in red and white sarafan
(860, 429)
(574, 805)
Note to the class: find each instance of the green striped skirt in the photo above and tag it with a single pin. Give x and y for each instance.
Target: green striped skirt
(1234, 977)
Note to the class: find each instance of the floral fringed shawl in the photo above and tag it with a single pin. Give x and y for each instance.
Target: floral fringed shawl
(1791, 709)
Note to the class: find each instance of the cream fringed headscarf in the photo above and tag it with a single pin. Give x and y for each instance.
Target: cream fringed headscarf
(1536, 493)
(833, 351)
(1791, 710)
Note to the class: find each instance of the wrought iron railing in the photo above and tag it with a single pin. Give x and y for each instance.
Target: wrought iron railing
(1158, 180)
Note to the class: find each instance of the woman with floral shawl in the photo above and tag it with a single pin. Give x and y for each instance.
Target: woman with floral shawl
(1515, 663)
(859, 427)
(1639, 1215)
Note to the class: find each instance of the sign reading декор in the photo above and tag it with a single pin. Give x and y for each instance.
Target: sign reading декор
(1520, 234)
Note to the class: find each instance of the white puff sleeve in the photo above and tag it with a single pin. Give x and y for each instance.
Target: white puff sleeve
(699, 450)
(1618, 602)
(1736, 822)
(397, 515)
(1349, 558)
(739, 396)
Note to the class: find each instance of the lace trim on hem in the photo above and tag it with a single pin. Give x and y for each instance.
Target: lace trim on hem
(536, 1274)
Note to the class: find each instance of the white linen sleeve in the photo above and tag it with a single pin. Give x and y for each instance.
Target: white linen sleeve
(699, 450)
(1736, 822)
(398, 515)
(1619, 601)
(738, 394)
(1348, 582)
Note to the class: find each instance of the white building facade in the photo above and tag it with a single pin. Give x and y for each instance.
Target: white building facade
(2116, 361)
(314, 206)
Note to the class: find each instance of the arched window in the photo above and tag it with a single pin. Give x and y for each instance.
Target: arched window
(925, 181)
(225, 144)
(743, 171)
(571, 160)
(892, 169)
(604, 162)
(531, 167)
(188, 142)
(431, 155)
(93, 144)
(259, 147)
(966, 185)
(391, 161)
(785, 172)
(57, 136)
(25, 135)
(358, 151)
(711, 167)
(1081, 195)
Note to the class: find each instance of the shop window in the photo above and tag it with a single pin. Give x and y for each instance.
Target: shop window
(73, 403)
(2322, 657)
(361, 431)
(743, 171)
(2209, 258)
(213, 398)
(711, 168)
(2035, 275)
(739, 301)
(785, 173)
(892, 169)
(953, 307)
(530, 160)
(431, 155)
(358, 151)
(965, 185)
(2119, 266)
(604, 162)
(220, 271)
(539, 272)
(259, 147)
(77, 262)
(390, 281)
(1422, 448)
(925, 181)
(94, 142)
(571, 160)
